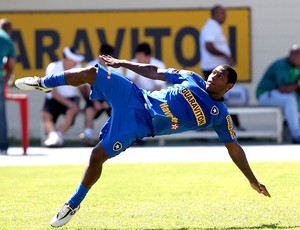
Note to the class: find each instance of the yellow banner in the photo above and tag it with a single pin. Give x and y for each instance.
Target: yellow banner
(172, 34)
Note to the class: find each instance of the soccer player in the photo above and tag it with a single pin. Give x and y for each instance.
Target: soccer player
(191, 104)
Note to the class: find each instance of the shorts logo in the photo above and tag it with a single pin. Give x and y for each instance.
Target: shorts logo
(214, 110)
(117, 146)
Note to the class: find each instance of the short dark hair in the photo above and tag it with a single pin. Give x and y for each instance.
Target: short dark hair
(143, 47)
(232, 74)
(214, 10)
(6, 25)
(106, 49)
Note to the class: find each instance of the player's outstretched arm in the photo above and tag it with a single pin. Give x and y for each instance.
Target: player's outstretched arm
(238, 156)
(146, 70)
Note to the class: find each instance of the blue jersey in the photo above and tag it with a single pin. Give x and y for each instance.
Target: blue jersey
(187, 106)
(137, 113)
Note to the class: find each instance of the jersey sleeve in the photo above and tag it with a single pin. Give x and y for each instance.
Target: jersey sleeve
(174, 76)
(225, 131)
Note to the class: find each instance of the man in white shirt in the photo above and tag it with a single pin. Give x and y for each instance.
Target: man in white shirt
(143, 54)
(214, 50)
(63, 100)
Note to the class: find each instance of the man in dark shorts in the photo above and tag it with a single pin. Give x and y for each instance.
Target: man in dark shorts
(63, 100)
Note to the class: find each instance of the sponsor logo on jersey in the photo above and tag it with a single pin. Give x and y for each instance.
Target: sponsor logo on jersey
(166, 110)
(117, 146)
(174, 126)
(197, 110)
(214, 110)
(230, 126)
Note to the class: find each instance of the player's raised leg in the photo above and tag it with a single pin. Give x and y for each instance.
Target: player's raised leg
(74, 77)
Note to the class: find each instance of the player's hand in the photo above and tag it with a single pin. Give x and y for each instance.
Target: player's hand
(110, 61)
(260, 188)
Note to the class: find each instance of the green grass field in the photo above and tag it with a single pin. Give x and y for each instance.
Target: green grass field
(154, 196)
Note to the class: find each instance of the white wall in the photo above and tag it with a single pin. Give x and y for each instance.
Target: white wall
(274, 23)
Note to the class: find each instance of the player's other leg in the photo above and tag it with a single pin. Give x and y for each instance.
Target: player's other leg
(74, 77)
(91, 175)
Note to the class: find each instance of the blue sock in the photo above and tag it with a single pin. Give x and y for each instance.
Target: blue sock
(54, 80)
(78, 196)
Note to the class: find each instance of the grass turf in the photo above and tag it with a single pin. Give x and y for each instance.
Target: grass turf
(154, 196)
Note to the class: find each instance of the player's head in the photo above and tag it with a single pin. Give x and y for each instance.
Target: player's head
(232, 75)
(143, 53)
(222, 79)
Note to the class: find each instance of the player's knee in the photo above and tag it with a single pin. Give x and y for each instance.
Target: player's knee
(46, 116)
(91, 74)
(75, 110)
(98, 155)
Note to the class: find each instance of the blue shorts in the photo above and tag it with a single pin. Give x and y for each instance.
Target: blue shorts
(129, 120)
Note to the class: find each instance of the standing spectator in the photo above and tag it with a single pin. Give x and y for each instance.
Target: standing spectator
(8, 51)
(143, 54)
(280, 86)
(214, 49)
(93, 109)
(62, 100)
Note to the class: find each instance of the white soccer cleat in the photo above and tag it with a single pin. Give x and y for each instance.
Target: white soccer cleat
(31, 83)
(54, 140)
(63, 216)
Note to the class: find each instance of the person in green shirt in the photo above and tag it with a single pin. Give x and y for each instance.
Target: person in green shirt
(8, 52)
(280, 86)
